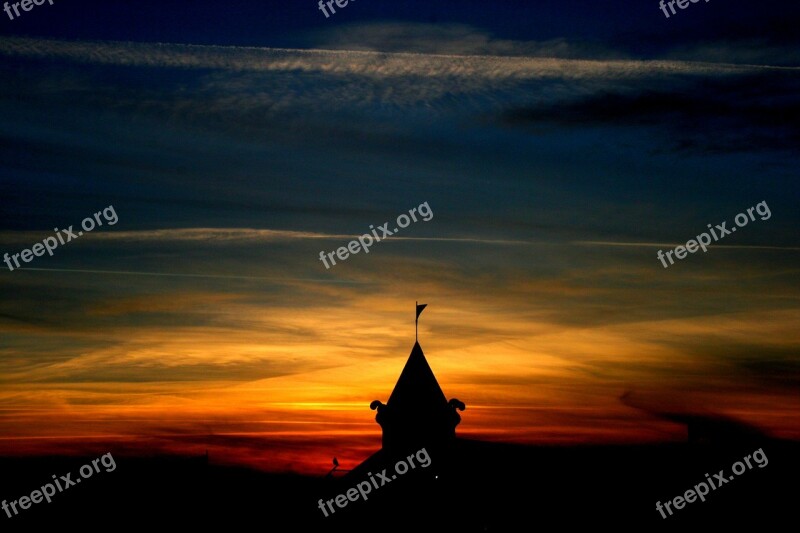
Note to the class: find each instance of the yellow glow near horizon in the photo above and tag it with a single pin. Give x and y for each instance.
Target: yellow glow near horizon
(299, 381)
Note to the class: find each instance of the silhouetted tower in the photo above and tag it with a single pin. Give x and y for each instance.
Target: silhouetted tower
(417, 413)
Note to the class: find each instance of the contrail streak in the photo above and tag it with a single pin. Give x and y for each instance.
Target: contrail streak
(166, 274)
(673, 245)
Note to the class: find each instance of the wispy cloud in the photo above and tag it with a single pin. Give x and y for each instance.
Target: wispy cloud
(450, 39)
(212, 236)
(351, 62)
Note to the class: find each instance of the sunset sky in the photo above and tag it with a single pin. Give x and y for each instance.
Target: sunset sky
(559, 146)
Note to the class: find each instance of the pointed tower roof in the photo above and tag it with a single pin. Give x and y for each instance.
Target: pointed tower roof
(416, 388)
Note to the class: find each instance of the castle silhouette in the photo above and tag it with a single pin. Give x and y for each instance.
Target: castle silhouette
(417, 416)
(417, 413)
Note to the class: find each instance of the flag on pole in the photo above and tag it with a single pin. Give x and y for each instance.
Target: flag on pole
(416, 321)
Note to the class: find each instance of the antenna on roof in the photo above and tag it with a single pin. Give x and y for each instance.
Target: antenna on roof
(335, 468)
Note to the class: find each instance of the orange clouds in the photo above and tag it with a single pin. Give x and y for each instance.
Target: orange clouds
(282, 378)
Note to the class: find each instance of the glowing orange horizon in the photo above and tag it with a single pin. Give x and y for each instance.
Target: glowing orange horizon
(526, 381)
